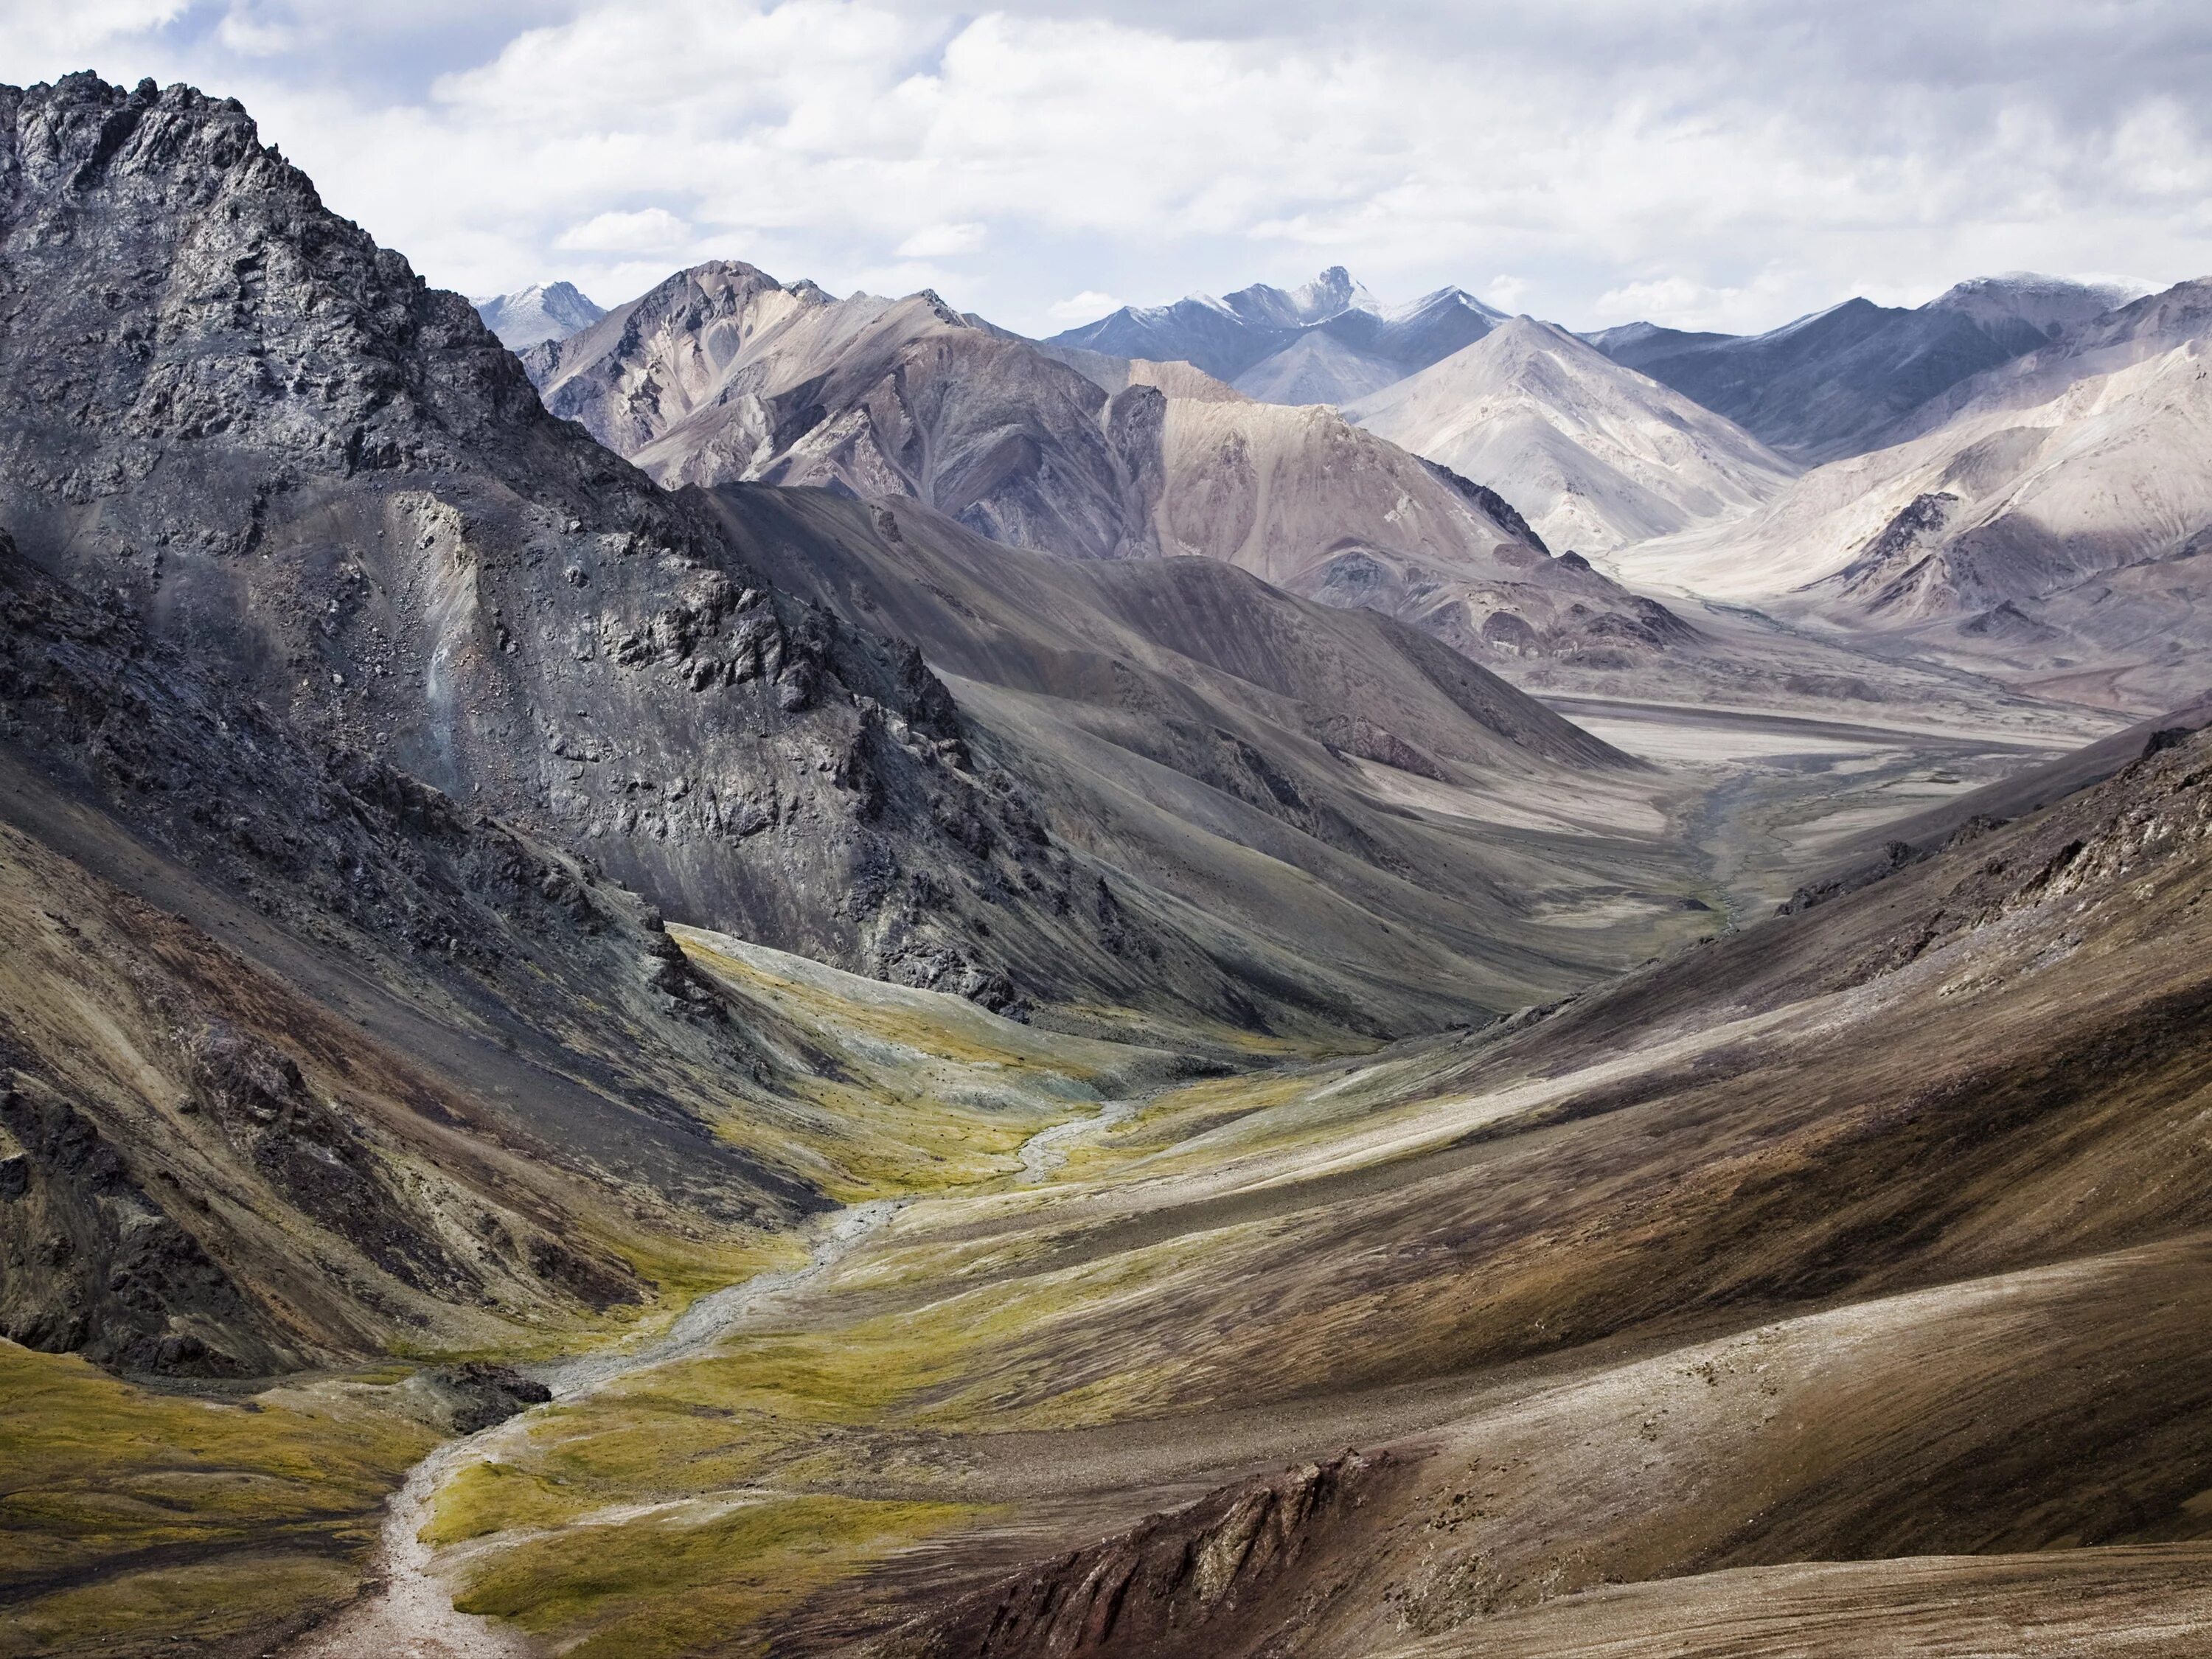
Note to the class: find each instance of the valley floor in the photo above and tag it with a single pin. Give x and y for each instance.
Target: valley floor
(1768, 798)
(1795, 1293)
(1706, 1315)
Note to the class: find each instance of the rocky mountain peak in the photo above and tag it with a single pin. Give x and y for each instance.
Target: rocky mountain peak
(2045, 303)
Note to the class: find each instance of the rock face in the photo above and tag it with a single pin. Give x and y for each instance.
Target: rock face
(430, 1051)
(1226, 1573)
(722, 374)
(95, 1265)
(542, 312)
(1595, 454)
(264, 433)
(1827, 384)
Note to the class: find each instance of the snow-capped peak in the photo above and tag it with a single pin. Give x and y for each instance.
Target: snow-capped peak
(544, 311)
(1331, 293)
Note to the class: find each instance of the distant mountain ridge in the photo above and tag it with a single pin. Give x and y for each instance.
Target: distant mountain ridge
(2048, 520)
(1326, 341)
(723, 374)
(544, 311)
(1828, 385)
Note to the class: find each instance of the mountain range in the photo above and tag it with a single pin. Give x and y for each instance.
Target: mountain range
(1830, 384)
(1283, 977)
(1325, 341)
(722, 374)
(2001, 481)
(2045, 521)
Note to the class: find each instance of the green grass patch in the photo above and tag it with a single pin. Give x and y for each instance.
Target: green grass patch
(94, 1471)
(669, 1584)
(242, 1600)
(500, 1497)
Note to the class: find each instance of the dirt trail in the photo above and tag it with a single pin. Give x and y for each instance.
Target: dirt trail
(409, 1612)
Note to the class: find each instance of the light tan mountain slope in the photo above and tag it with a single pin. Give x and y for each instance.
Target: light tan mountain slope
(1597, 456)
(1302, 498)
(721, 373)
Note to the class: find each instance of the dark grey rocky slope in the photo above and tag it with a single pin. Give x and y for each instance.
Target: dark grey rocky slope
(301, 1056)
(230, 407)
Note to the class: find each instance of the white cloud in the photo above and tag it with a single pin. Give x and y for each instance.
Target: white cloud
(1087, 306)
(1506, 293)
(943, 241)
(38, 36)
(1732, 167)
(1684, 302)
(652, 230)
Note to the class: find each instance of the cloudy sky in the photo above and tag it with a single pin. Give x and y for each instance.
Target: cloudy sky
(1710, 163)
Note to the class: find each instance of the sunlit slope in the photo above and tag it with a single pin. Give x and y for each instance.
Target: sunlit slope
(1595, 455)
(2043, 522)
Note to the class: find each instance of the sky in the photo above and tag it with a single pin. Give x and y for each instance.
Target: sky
(1725, 164)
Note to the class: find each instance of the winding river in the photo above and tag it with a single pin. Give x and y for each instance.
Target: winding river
(408, 1610)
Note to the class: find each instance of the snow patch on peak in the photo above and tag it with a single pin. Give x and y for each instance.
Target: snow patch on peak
(542, 312)
(1331, 293)
(1442, 299)
(2044, 302)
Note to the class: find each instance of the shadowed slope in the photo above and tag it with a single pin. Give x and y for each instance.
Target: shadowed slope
(1828, 385)
(1375, 825)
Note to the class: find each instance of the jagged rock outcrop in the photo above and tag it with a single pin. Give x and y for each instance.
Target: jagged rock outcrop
(1226, 1574)
(96, 1265)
